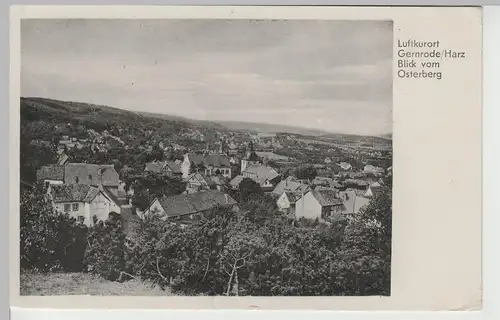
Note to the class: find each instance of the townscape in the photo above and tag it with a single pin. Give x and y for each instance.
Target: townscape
(143, 184)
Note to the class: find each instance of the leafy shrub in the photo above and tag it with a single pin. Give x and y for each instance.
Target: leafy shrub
(49, 240)
(105, 252)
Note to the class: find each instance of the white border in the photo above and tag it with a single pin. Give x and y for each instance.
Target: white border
(491, 210)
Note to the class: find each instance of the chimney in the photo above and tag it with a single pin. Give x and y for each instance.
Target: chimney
(226, 197)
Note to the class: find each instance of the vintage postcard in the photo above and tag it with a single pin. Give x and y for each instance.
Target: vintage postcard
(246, 157)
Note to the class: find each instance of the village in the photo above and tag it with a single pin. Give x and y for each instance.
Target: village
(211, 177)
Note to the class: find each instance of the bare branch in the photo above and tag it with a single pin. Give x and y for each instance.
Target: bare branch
(224, 268)
(127, 274)
(208, 265)
(240, 266)
(158, 269)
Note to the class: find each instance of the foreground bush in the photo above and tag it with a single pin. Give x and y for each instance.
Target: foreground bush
(49, 240)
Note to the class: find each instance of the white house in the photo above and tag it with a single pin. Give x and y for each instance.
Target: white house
(373, 169)
(345, 166)
(319, 204)
(208, 164)
(373, 189)
(82, 202)
(286, 202)
(352, 201)
(265, 176)
(290, 184)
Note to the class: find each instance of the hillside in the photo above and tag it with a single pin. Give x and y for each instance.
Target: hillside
(100, 117)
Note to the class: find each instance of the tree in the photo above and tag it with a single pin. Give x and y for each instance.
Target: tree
(157, 153)
(105, 253)
(306, 173)
(49, 240)
(238, 252)
(249, 189)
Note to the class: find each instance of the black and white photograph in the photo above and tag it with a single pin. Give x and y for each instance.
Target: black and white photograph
(205, 157)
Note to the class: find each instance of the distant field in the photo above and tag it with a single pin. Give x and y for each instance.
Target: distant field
(34, 284)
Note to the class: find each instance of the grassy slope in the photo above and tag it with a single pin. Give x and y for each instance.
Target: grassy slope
(35, 284)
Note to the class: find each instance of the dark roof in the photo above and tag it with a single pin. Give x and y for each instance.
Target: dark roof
(327, 197)
(202, 178)
(215, 160)
(293, 196)
(119, 199)
(50, 172)
(196, 202)
(73, 192)
(289, 184)
(91, 174)
(162, 166)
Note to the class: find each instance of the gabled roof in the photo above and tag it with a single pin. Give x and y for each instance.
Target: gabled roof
(201, 178)
(91, 174)
(327, 197)
(236, 181)
(162, 166)
(184, 204)
(293, 196)
(73, 193)
(290, 184)
(261, 173)
(154, 166)
(215, 160)
(51, 172)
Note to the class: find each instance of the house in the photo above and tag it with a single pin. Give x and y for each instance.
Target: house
(319, 204)
(290, 184)
(373, 189)
(322, 181)
(62, 159)
(353, 202)
(328, 160)
(234, 160)
(345, 166)
(197, 182)
(51, 174)
(287, 200)
(83, 173)
(373, 169)
(208, 164)
(169, 168)
(190, 206)
(265, 176)
(82, 202)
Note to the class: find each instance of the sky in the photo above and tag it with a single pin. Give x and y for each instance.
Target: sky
(330, 75)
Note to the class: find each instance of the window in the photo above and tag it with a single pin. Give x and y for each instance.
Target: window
(76, 180)
(75, 206)
(67, 207)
